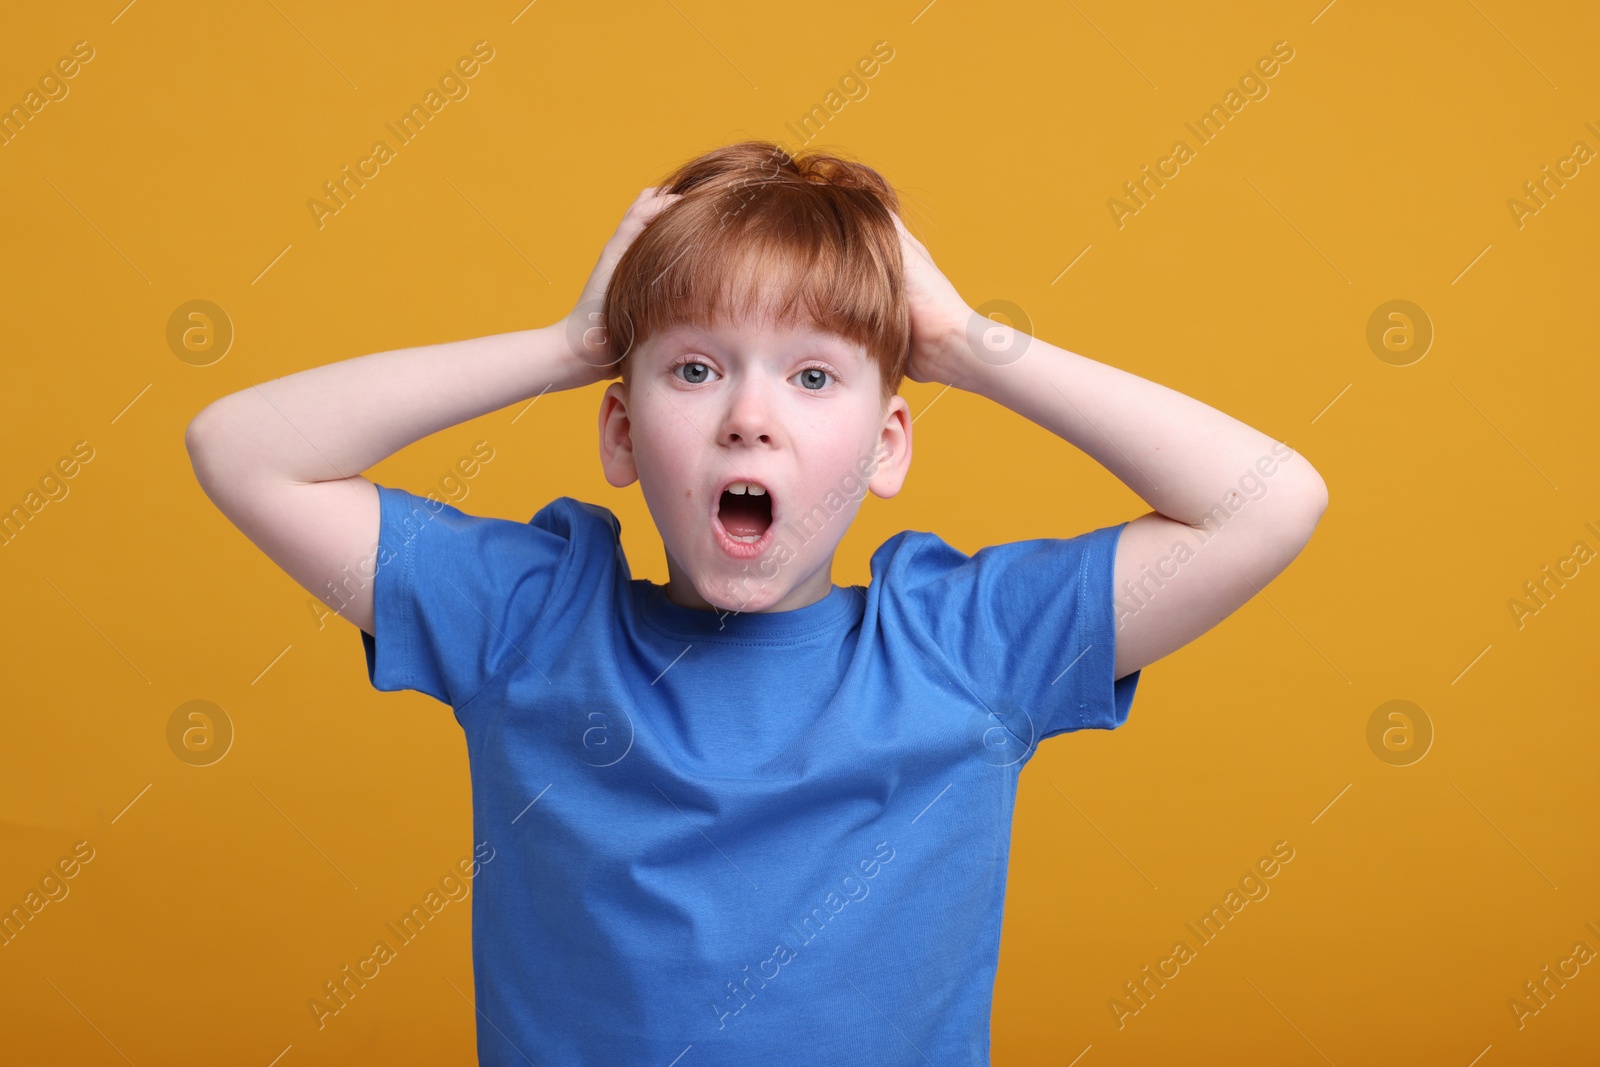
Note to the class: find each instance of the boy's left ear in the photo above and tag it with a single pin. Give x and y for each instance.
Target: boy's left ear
(894, 449)
(616, 438)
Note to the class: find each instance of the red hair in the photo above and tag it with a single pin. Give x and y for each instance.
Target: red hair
(759, 233)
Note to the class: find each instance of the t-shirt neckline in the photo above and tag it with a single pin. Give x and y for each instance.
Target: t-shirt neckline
(676, 619)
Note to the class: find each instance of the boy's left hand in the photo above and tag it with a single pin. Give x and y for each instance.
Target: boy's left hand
(939, 317)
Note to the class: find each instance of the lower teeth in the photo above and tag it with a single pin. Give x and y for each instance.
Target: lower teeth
(749, 539)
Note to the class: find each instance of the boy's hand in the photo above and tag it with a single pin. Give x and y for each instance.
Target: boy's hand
(939, 317)
(586, 332)
(951, 342)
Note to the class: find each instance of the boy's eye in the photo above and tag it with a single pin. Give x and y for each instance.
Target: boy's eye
(694, 372)
(814, 378)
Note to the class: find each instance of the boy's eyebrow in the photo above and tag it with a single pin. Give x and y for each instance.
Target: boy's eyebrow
(687, 335)
(839, 344)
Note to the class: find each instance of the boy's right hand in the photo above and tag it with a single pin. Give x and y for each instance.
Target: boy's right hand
(587, 335)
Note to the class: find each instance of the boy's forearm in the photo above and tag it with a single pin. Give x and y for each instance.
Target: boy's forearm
(1181, 456)
(337, 420)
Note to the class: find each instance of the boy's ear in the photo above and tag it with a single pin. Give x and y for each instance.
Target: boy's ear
(894, 449)
(616, 438)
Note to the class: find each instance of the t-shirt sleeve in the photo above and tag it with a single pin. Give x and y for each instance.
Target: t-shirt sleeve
(1028, 626)
(457, 597)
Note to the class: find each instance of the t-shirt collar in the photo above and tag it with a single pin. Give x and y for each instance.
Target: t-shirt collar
(842, 602)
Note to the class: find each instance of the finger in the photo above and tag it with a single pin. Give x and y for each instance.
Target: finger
(907, 237)
(643, 210)
(915, 251)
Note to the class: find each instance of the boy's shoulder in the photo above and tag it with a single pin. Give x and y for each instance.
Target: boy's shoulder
(436, 541)
(920, 556)
(566, 517)
(906, 561)
(571, 512)
(579, 516)
(910, 567)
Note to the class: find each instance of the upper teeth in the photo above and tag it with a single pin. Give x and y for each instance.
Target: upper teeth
(740, 488)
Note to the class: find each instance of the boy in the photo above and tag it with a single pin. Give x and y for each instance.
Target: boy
(750, 816)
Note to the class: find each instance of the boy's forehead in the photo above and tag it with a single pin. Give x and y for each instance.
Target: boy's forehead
(745, 334)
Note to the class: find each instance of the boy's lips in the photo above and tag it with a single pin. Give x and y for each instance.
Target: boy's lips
(752, 512)
(740, 549)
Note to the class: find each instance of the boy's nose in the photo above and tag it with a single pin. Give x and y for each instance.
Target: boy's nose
(748, 416)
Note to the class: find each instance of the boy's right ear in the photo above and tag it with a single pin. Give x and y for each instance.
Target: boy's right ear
(616, 437)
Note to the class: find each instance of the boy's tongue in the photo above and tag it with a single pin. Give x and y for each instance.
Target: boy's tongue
(746, 515)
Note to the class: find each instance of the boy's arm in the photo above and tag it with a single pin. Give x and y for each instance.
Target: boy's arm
(283, 460)
(1232, 507)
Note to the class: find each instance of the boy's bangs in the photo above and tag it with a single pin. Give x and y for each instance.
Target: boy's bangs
(789, 281)
(743, 245)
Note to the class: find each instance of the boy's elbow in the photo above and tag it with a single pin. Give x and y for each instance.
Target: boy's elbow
(1317, 496)
(1305, 490)
(191, 435)
(1311, 500)
(1292, 509)
(200, 440)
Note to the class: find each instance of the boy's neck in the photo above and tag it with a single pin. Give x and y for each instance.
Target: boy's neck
(750, 594)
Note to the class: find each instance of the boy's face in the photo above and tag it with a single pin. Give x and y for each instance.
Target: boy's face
(796, 410)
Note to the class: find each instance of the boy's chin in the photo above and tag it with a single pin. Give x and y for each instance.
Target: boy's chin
(705, 590)
(743, 595)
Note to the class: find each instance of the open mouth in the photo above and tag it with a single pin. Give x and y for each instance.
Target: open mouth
(745, 511)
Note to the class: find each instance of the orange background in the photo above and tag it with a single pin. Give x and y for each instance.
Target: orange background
(1379, 167)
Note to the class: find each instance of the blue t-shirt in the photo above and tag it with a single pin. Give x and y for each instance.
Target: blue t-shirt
(739, 838)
